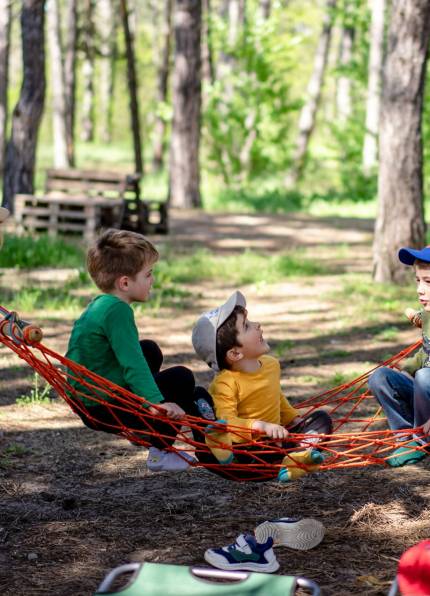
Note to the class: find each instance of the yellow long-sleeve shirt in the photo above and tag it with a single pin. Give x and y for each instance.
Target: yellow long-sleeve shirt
(241, 398)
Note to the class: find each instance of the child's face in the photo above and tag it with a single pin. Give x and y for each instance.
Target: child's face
(140, 286)
(250, 337)
(422, 275)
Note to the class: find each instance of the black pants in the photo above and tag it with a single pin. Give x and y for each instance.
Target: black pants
(176, 384)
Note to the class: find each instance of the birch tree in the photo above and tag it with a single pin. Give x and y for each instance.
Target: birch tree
(309, 109)
(61, 157)
(184, 175)
(21, 148)
(106, 24)
(343, 88)
(132, 88)
(5, 23)
(87, 122)
(376, 56)
(70, 76)
(163, 73)
(400, 219)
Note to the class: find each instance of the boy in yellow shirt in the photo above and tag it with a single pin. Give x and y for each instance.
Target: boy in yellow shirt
(246, 391)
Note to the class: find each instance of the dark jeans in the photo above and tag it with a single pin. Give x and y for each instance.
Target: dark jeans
(405, 401)
(176, 384)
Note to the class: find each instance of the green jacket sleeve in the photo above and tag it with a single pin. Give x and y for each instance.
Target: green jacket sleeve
(414, 363)
(121, 330)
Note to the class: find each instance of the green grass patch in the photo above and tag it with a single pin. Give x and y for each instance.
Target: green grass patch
(25, 252)
(282, 347)
(248, 267)
(388, 334)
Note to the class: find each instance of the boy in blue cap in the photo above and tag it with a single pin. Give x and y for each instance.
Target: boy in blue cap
(405, 398)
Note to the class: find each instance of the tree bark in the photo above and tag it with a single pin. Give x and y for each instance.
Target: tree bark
(70, 76)
(87, 123)
(107, 29)
(162, 90)
(132, 89)
(5, 24)
(400, 219)
(61, 158)
(21, 148)
(184, 179)
(376, 58)
(265, 8)
(309, 110)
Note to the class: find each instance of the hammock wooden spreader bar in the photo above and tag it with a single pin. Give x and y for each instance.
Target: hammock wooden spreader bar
(360, 437)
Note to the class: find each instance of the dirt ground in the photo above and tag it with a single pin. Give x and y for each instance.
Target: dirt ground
(76, 503)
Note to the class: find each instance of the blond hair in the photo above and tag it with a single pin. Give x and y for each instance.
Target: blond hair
(116, 253)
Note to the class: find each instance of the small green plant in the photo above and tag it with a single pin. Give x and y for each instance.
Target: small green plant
(389, 334)
(38, 393)
(282, 347)
(10, 452)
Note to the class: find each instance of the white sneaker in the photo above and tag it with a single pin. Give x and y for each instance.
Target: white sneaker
(301, 534)
(245, 554)
(168, 461)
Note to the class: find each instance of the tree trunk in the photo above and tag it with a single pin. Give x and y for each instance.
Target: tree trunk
(208, 67)
(343, 91)
(132, 89)
(21, 148)
(309, 110)
(376, 57)
(61, 159)
(265, 8)
(70, 76)
(162, 91)
(5, 23)
(88, 30)
(400, 219)
(184, 182)
(107, 29)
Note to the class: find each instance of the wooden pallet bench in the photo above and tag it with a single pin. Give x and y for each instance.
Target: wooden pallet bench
(83, 201)
(66, 214)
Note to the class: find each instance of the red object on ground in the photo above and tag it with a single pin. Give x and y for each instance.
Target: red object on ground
(413, 574)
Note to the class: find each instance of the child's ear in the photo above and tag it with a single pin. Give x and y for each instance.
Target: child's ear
(122, 283)
(234, 355)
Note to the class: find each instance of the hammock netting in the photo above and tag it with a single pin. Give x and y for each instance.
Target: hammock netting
(360, 435)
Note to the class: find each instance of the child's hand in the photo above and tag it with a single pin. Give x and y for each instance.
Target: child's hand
(171, 410)
(274, 431)
(426, 427)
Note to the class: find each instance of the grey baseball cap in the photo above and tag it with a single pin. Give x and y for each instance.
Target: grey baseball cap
(4, 214)
(204, 332)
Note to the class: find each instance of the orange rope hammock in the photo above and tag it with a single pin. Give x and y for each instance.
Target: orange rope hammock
(359, 438)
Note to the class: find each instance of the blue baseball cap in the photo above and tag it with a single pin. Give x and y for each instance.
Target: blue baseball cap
(408, 255)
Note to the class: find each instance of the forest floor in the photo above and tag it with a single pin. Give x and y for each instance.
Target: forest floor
(76, 503)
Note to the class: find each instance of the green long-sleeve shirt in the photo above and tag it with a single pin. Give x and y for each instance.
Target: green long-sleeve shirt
(105, 340)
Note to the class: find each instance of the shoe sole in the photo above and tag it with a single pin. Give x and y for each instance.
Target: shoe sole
(219, 562)
(301, 535)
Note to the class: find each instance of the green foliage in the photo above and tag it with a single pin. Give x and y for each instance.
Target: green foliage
(259, 201)
(247, 267)
(247, 116)
(38, 394)
(25, 252)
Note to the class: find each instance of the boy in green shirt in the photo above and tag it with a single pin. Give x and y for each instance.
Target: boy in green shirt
(405, 398)
(105, 340)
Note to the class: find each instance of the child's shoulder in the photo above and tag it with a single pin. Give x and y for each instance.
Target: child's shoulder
(269, 361)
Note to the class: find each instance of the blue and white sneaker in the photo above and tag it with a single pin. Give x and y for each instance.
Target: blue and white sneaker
(245, 554)
(294, 532)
